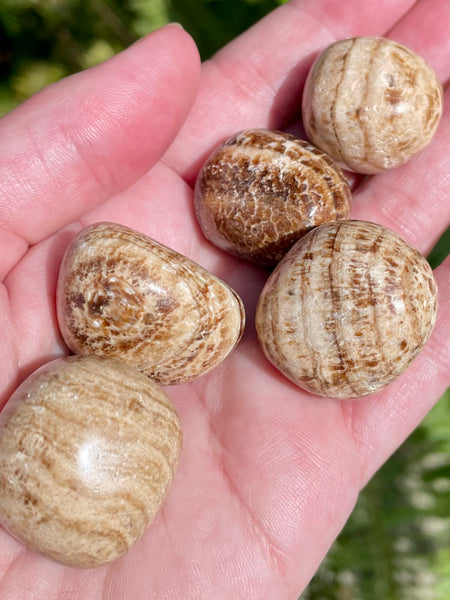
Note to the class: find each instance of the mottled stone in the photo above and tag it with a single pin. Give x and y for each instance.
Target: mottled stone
(347, 310)
(88, 448)
(123, 295)
(371, 103)
(261, 190)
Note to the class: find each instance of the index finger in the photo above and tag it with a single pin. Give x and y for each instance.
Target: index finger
(87, 137)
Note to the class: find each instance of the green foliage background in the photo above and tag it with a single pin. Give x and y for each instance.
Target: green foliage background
(396, 544)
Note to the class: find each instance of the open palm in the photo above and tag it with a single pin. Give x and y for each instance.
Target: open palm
(268, 474)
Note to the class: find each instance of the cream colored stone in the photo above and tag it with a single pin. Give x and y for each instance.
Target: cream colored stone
(123, 295)
(371, 103)
(88, 448)
(347, 309)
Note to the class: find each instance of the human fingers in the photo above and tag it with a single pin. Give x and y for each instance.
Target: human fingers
(380, 423)
(256, 80)
(425, 29)
(85, 138)
(167, 218)
(412, 202)
(413, 199)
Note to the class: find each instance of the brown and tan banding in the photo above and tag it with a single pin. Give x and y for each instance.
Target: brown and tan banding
(347, 310)
(371, 103)
(261, 190)
(123, 295)
(88, 449)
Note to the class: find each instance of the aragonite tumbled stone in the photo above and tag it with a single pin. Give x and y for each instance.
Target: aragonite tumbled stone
(347, 309)
(371, 103)
(88, 448)
(261, 190)
(123, 295)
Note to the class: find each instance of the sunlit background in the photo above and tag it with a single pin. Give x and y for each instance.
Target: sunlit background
(396, 544)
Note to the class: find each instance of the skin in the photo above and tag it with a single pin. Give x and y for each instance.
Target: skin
(269, 474)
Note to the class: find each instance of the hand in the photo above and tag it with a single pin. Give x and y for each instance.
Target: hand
(268, 474)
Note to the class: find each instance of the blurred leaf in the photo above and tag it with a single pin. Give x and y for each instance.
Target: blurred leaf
(34, 76)
(97, 52)
(149, 15)
(437, 473)
(7, 100)
(441, 250)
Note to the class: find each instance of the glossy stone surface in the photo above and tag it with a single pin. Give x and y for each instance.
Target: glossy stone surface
(347, 310)
(123, 295)
(371, 103)
(88, 448)
(261, 190)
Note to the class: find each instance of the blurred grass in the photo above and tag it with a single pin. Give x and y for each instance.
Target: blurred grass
(47, 39)
(395, 546)
(441, 249)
